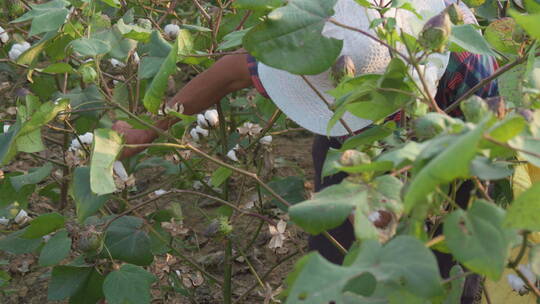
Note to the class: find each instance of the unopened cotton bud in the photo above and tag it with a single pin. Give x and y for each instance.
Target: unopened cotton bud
(266, 140)
(120, 170)
(22, 217)
(353, 158)
(517, 283)
(212, 117)
(117, 63)
(171, 30)
(232, 155)
(194, 134)
(6, 128)
(201, 121)
(4, 36)
(160, 192)
(201, 131)
(436, 32)
(343, 68)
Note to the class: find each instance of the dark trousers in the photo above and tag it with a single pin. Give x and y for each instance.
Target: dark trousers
(344, 234)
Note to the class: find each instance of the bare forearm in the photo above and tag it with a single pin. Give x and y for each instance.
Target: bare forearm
(227, 75)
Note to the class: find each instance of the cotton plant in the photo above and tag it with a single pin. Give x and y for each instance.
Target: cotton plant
(17, 49)
(121, 177)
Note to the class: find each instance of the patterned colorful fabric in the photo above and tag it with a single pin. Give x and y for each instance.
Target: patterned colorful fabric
(253, 67)
(464, 71)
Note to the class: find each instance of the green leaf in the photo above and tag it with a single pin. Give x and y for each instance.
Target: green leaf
(233, 40)
(328, 208)
(290, 38)
(511, 86)
(90, 292)
(56, 249)
(31, 142)
(477, 239)
(33, 177)
(7, 143)
(30, 55)
(86, 202)
(527, 144)
(452, 163)
(4, 278)
(43, 225)
(456, 286)
(317, 281)
(154, 94)
(113, 3)
(134, 32)
(257, 4)
(129, 284)
(59, 68)
(486, 169)
(468, 38)
(105, 148)
(220, 175)
(70, 281)
(530, 23)
(45, 17)
(290, 188)
(125, 240)
(14, 243)
(369, 136)
(90, 46)
(524, 212)
(120, 47)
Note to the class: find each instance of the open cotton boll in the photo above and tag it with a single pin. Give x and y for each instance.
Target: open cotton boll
(160, 192)
(266, 140)
(201, 121)
(136, 58)
(212, 117)
(171, 30)
(120, 170)
(527, 272)
(201, 131)
(517, 283)
(4, 221)
(232, 155)
(4, 36)
(22, 217)
(194, 134)
(14, 54)
(117, 63)
(6, 128)
(87, 139)
(17, 49)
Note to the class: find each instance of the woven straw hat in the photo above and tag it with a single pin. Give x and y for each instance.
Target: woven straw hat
(301, 103)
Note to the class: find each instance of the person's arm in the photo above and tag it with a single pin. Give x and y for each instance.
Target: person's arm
(228, 74)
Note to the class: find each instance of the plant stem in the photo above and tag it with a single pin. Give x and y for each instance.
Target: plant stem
(227, 273)
(522, 250)
(502, 144)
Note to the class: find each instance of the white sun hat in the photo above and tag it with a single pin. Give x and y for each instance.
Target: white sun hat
(301, 103)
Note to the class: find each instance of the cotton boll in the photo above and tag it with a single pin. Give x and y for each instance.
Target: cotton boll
(194, 134)
(517, 283)
(120, 170)
(22, 217)
(136, 58)
(201, 131)
(197, 185)
(232, 155)
(266, 140)
(527, 272)
(4, 36)
(171, 30)
(14, 54)
(6, 128)
(160, 192)
(87, 138)
(117, 63)
(201, 121)
(4, 221)
(212, 117)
